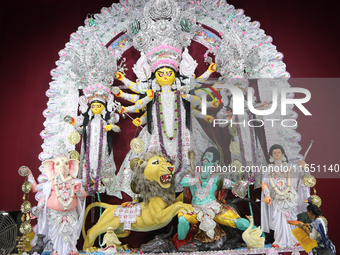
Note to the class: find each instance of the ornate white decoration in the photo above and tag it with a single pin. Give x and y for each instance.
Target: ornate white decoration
(175, 24)
(142, 68)
(188, 64)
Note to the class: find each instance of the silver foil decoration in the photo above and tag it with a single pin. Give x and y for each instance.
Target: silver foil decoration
(240, 188)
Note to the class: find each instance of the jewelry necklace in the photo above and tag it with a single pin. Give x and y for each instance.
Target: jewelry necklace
(203, 193)
(65, 201)
(165, 95)
(176, 116)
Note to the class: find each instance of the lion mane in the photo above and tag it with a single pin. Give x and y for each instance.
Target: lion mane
(148, 189)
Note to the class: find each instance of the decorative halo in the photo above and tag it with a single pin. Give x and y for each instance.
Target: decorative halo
(316, 200)
(115, 90)
(74, 138)
(233, 130)
(26, 187)
(133, 187)
(236, 163)
(74, 155)
(24, 171)
(133, 163)
(235, 148)
(309, 181)
(137, 145)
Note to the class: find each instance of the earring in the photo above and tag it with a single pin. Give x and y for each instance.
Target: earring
(271, 159)
(284, 158)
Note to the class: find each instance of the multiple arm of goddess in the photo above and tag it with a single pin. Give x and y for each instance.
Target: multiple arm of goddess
(141, 102)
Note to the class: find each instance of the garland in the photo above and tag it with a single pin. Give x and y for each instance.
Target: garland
(66, 205)
(178, 126)
(162, 118)
(202, 193)
(179, 133)
(91, 190)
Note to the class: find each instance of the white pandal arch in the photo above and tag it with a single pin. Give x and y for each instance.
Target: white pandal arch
(217, 24)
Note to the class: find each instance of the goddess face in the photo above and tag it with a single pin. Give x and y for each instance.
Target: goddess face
(97, 108)
(165, 76)
(277, 154)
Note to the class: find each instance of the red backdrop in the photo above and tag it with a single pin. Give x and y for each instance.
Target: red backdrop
(32, 33)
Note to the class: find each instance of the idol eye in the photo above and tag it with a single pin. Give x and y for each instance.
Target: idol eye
(156, 162)
(98, 106)
(93, 106)
(160, 74)
(57, 163)
(169, 74)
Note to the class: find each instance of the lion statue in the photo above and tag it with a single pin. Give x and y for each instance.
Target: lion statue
(153, 180)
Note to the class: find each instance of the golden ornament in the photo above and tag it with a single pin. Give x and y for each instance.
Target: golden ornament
(236, 164)
(137, 145)
(74, 138)
(25, 207)
(74, 155)
(29, 238)
(309, 181)
(316, 200)
(235, 148)
(233, 130)
(133, 163)
(25, 228)
(133, 187)
(26, 187)
(324, 220)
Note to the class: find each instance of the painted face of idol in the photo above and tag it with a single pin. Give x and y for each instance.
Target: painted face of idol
(165, 76)
(97, 108)
(208, 161)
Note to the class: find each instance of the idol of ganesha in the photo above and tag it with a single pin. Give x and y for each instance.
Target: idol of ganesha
(60, 210)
